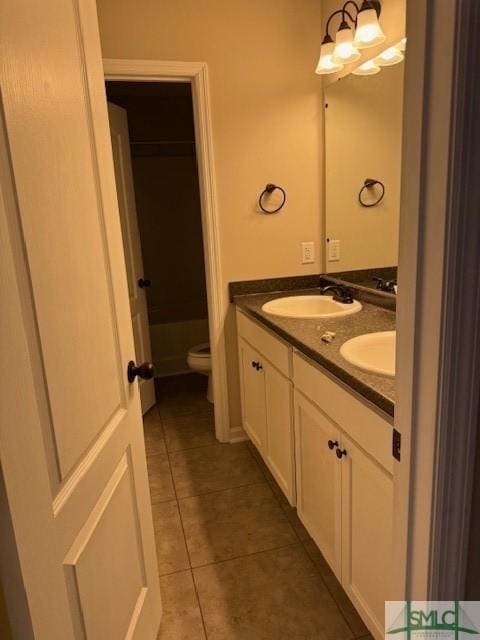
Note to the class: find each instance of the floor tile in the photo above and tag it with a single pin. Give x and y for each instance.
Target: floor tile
(171, 548)
(207, 469)
(268, 596)
(181, 618)
(290, 511)
(180, 395)
(318, 559)
(153, 433)
(269, 477)
(152, 416)
(346, 607)
(296, 523)
(190, 431)
(160, 478)
(235, 522)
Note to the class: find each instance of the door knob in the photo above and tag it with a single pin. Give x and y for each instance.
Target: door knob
(332, 444)
(144, 371)
(144, 283)
(340, 453)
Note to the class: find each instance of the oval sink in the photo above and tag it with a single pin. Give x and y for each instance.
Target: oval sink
(373, 352)
(310, 307)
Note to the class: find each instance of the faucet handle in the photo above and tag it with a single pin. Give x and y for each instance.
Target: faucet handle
(385, 285)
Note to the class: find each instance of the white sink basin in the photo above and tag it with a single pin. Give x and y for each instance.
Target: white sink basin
(373, 352)
(310, 307)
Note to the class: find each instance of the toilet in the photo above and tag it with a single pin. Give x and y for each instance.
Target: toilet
(199, 359)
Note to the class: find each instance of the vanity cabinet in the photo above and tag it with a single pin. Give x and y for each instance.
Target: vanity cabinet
(367, 512)
(344, 470)
(267, 400)
(319, 479)
(331, 453)
(254, 411)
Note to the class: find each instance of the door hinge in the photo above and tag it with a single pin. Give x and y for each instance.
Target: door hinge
(396, 444)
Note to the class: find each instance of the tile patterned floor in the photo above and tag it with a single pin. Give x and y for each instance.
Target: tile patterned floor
(234, 560)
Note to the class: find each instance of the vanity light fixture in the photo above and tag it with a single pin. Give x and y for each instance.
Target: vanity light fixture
(369, 68)
(389, 57)
(326, 63)
(369, 32)
(358, 31)
(344, 51)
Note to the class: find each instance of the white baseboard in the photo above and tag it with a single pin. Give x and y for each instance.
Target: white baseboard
(237, 434)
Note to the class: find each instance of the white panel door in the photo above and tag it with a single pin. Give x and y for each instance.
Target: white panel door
(319, 479)
(252, 380)
(71, 442)
(131, 244)
(367, 505)
(280, 456)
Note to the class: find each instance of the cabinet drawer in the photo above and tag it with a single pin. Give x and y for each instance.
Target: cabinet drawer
(271, 347)
(363, 424)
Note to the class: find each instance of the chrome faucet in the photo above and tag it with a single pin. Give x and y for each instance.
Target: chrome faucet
(340, 293)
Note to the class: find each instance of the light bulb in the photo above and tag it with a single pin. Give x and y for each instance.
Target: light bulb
(369, 68)
(326, 63)
(344, 51)
(369, 32)
(389, 57)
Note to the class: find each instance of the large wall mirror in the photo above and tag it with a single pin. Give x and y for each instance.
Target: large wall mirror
(363, 141)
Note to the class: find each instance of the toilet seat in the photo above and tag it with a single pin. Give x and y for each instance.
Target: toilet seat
(200, 359)
(200, 351)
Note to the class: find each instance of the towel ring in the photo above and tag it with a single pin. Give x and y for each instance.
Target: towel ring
(270, 188)
(369, 184)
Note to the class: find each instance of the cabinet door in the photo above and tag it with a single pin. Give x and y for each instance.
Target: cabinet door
(280, 437)
(253, 395)
(367, 504)
(318, 473)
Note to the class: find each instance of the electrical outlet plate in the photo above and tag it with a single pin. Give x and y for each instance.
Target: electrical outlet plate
(334, 250)
(308, 252)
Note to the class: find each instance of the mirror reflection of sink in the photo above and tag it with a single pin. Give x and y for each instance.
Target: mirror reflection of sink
(310, 307)
(372, 352)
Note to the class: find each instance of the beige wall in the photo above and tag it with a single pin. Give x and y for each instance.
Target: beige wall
(267, 119)
(363, 138)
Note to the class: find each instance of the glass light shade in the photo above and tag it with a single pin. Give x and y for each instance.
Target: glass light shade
(369, 68)
(369, 32)
(326, 64)
(389, 57)
(344, 51)
(402, 45)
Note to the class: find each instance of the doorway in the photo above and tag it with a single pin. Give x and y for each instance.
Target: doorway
(153, 144)
(190, 267)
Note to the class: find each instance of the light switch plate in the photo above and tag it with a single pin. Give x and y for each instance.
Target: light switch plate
(308, 252)
(334, 251)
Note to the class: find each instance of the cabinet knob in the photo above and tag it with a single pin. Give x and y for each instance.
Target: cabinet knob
(332, 444)
(256, 365)
(340, 453)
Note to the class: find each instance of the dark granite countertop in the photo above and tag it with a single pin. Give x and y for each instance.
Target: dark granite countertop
(305, 335)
